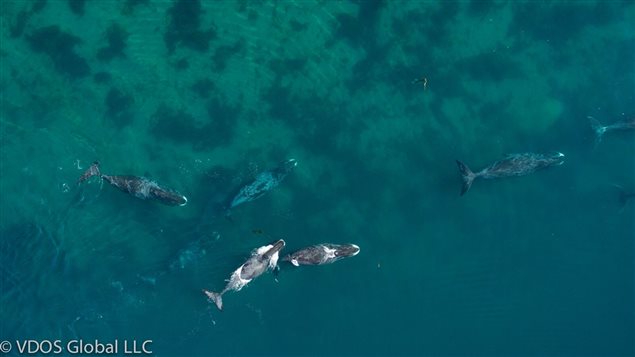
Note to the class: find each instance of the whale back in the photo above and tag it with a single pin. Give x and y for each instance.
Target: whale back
(264, 182)
(320, 254)
(261, 260)
(522, 164)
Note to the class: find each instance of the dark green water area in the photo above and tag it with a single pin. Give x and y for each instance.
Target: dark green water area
(201, 96)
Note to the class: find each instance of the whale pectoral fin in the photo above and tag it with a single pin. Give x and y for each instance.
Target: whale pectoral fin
(294, 262)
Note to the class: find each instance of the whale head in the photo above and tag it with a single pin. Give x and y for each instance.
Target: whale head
(346, 250)
(290, 164)
(272, 249)
(555, 158)
(287, 166)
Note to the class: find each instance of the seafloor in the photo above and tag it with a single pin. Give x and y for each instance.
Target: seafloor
(202, 95)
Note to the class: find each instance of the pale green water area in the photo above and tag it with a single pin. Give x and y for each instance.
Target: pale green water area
(201, 96)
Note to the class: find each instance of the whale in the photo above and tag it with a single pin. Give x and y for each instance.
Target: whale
(320, 254)
(263, 183)
(512, 165)
(261, 260)
(139, 187)
(191, 254)
(600, 129)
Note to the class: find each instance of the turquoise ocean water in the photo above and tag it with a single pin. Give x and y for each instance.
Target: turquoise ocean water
(203, 95)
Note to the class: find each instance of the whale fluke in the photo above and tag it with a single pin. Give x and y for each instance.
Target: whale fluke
(216, 298)
(623, 195)
(598, 128)
(467, 175)
(93, 170)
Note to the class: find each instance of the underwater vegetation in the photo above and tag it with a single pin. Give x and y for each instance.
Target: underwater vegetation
(359, 30)
(22, 18)
(102, 77)
(131, 5)
(224, 52)
(116, 37)
(203, 87)
(206, 95)
(180, 126)
(184, 29)
(77, 6)
(60, 47)
(118, 106)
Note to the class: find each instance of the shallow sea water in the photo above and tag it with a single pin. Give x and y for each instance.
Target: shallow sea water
(202, 96)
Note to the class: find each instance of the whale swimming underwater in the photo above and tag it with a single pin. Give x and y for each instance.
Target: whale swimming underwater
(190, 255)
(600, 129)
(262, 259)
(139, 187)
(264, 182)
(325, 253)
(511, 165)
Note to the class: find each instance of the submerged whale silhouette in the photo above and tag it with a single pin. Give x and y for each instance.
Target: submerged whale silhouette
(139, 187)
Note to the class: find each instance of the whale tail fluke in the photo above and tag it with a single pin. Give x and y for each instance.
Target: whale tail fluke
(623, 196)
(151, 279)
(216, 298)
(598, 128)
(227, 213)
(93, 170)
(467, 175)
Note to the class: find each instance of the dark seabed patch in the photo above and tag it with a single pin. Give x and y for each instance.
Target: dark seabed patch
(203, 87)
(491, 66)
(77, 6)
(181, 127)
(60, 47)
(19, 23)
(563, 22)
(118, 107)
(174, 125)
(224, 52)
(222, 119)
(360, 30)
(184, 29)
(212, 93)
(102, 77)
(116, 37)
(130, 6)
(181, 65)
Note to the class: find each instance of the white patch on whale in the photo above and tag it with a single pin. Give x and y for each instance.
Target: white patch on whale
(262, 250)
(274, 260)
(330, 253)
(236, 282)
